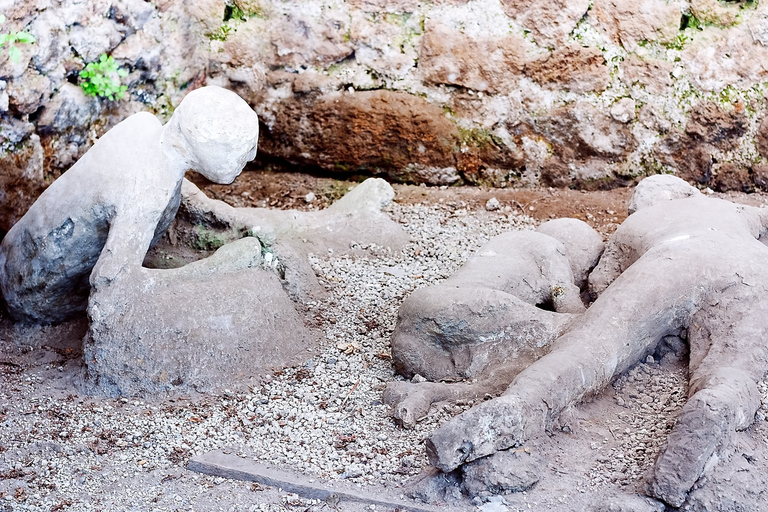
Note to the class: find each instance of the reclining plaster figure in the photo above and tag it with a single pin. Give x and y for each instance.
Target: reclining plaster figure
(492, 318)
(681, 265)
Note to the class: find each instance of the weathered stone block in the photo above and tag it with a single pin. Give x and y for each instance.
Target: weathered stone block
(630, 24)
(379, 132)
(550, 21)
(488, 64)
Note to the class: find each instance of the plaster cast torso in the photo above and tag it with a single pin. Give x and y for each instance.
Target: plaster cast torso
(677, 227)
(108, 209)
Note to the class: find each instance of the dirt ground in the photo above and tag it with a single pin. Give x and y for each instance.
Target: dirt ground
(594, 462)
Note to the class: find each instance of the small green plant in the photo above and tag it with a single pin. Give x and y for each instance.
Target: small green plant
(234, 12)
(207, 240)
(678, 43)
(102, 78)
(221, 33)
(689, 20)
(10, 39)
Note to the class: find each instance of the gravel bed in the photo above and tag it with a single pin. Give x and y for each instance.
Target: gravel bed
(652, 397)
(60, 450)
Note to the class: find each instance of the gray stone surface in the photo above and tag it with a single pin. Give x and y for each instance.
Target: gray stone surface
(626, 503)
(99, 219)
(69, 108)
(225, 465)
(503, 472)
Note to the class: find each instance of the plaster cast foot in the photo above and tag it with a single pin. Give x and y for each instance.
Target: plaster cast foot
(411, 401)
(483, 430)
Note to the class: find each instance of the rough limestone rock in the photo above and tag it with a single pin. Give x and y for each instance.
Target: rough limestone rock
(714, 12)
(583, 139)
(303, 39)
(624, 110)
(639, 22)
(571, 67)
(490, 64)
(732, 177)
(21, 179)
(374, 131)
(711, 128)
(761, 139)
(715, 125)
(381, 43)
(211, 324)
(69, 108)
(550, 22)
(652, 74)
(77, 233)
(492, 318)
(720, 58)
(649, 291)
(29, 92)
(491, 71)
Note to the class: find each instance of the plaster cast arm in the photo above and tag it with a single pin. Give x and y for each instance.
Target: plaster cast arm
(127, 243)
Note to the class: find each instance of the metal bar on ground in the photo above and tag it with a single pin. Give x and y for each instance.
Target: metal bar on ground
(221, 464)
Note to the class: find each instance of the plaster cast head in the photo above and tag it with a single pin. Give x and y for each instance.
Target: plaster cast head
(214, 132)
(659, 188)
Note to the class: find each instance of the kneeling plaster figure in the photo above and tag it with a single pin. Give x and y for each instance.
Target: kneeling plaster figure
(683, 265)
(214, 323)
(103, 214)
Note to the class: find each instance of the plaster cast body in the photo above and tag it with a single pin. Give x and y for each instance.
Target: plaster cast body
(492, 318)
(102, 215)
(681, 265)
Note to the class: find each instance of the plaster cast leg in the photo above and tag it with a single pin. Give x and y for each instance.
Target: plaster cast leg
(211, 324)
(723, 395)
(622, 326)
(709, 418)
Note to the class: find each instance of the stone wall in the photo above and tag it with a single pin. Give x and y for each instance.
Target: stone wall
(560, 93)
